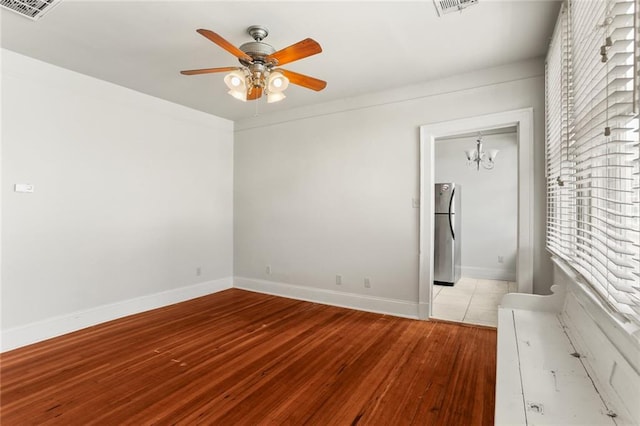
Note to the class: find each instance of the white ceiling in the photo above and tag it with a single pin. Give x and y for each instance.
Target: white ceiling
(367, 46)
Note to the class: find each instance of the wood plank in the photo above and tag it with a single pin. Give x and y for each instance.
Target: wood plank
(552, 377)
(238, 357)
(464, 372)
(510, 402)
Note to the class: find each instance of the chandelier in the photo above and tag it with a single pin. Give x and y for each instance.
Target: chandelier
(477, 157)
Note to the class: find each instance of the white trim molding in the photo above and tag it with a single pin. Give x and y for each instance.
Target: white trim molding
(399, 308)
(523, 120)
(35, 332)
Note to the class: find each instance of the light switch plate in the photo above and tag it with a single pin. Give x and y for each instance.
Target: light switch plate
(23, 187)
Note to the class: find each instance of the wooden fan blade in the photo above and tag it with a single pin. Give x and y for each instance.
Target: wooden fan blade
(301, 49)
(254, 93)
(304, 80)
(208, 70)
(217, 39)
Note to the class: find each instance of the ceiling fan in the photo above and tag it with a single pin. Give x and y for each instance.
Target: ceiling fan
(259, 73)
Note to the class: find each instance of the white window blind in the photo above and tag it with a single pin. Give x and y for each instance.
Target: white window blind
(592, 147)
(560, 211)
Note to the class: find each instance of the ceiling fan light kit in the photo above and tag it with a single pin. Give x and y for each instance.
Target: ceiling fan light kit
(276, 85)
(237, 84)
(258, 74)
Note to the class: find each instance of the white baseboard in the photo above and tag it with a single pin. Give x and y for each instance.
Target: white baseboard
(488, 273)
(399, 308)
(35, 332)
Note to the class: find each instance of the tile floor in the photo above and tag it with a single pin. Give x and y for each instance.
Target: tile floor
(471, 300)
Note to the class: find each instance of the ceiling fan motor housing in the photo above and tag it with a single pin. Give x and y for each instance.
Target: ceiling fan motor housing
(257, 50)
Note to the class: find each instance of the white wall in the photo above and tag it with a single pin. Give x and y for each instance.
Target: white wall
(132, 194)
(489, 204)
(328, 189)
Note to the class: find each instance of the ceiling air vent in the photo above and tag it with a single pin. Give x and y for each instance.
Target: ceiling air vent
(32, 9)
(448, 6)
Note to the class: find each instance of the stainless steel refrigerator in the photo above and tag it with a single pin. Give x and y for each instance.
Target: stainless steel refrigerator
(447, 238)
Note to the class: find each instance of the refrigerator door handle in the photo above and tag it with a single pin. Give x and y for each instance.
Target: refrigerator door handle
(453, 235)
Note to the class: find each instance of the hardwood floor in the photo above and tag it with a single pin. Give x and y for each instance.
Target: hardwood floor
(238, 357)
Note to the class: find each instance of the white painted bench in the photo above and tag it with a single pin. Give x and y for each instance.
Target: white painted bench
(541, 378)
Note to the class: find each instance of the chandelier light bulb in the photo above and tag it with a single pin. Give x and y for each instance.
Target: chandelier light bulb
(277, 82)
(275, 97)
(236, 81)
(238, 94)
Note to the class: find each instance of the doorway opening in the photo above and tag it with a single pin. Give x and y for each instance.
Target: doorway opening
(475, 224)
(522, 122)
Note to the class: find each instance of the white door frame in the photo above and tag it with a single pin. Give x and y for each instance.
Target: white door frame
(523, 120)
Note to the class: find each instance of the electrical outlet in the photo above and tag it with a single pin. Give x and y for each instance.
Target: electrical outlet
(500, 259)
(267, 269)
(198, 271)
(338, 279)
(367, 283)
